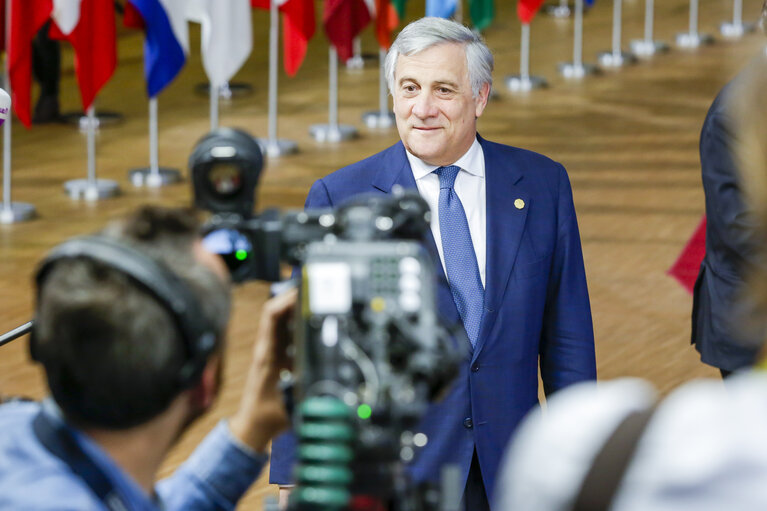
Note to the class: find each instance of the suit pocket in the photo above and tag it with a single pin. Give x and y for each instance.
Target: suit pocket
(530, 270)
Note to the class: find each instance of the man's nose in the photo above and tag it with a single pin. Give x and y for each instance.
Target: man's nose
(424, 106)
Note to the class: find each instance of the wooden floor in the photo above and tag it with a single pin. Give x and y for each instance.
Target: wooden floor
(628, 139)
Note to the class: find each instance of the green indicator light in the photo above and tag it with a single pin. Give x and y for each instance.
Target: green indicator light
(241, 255)
(364, 411)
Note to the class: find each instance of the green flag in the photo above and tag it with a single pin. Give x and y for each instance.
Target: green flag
(482, 13)
(399, 6)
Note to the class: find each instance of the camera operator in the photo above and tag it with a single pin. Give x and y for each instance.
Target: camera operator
(115, 357)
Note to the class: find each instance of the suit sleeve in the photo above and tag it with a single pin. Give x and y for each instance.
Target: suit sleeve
(567, 343)
(284, 446)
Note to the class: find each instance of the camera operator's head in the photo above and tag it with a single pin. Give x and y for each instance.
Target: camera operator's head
(112, 350)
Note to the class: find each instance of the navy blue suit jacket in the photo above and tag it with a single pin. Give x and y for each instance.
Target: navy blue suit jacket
(536, 305)
(730, 246)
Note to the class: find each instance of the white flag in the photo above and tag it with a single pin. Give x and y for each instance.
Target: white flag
(66, 14)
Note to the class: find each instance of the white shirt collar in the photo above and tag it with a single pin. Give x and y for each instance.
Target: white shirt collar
(472, 162)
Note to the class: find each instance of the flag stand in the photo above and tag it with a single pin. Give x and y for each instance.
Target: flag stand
(227, 91)
(154, 176)
(616, 57)
(384, 117)
(647, 47)
(332, 132)
(357, 62)
(273, 146)
(736, 28)
(577, 69)
(562, 10)
(11, 212)
(691, 38)
(102, 118)
(523, 82)
(91, 189)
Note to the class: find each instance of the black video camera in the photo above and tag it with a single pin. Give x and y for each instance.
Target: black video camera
(370, 352)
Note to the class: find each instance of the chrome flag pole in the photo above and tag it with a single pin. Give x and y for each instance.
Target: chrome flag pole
(577, 69)
(691, 38)
(154, 176)
(616, 57)
(523, 82)
(736, 28)
(383, 118)
(561, 10)
(647, 47)
(332, 131)
(91, 188)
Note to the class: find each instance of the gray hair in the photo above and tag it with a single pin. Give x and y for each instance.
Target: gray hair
(424, 33)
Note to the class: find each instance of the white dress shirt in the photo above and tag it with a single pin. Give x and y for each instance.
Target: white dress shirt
(470, 187)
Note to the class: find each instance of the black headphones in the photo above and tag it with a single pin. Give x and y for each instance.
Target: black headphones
(158, 280)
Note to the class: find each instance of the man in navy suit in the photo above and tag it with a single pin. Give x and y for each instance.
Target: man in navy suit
(505, 232)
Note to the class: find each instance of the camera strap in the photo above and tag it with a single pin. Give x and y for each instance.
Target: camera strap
(609, 466)
(62, 444)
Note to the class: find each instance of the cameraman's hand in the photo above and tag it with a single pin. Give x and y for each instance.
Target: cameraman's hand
(261, 414)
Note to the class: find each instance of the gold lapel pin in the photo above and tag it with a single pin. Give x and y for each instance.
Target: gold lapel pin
(519, 204)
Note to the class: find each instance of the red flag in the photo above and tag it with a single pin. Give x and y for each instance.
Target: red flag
(298, 24)
(685, 269)
(343, 20)
(27, 17)
(387, 20)
(94, 39)
(526, 9)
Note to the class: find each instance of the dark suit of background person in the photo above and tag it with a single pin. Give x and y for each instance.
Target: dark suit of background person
(536, 301)
(729, 246)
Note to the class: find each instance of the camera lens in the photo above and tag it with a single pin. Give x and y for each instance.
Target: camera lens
(225, 178)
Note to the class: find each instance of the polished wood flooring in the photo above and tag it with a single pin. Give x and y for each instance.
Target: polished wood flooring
(628, 138)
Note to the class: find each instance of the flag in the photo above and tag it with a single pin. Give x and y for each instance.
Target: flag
(526, 10)
(440, 8)
(89, 25)
(387, 19)
(589, 2)
(298, 25)
(166, 42)
(227, 35)
(399, 6)
(343, 20)
(482, 13)
(27, 17)
(686, 267)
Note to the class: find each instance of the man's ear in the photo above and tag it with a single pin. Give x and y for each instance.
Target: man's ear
(204, 393)
(481, 100)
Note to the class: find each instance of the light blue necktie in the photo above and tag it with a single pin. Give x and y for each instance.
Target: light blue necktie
(458, 251)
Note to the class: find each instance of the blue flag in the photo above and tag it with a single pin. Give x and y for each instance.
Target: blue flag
(166, 43)
(589, 2)
(440, 8)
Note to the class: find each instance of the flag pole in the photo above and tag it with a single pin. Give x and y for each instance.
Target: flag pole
(577, 69)
(11, 212)
(273, 146)
(561, 10)
(356, 62)
(91, 188)
(214, 94)
(332, 132)
(384, 117)
(458, 11)
(647, 47)
(736, 28)
(616, 57)
(154, 176)
(523, 82)
(691, 38)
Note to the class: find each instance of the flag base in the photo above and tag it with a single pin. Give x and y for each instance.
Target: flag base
(103, 118)
(378, 119)
(613, 60)
(518, 83)
(278, 147)
(332, 133)
(693, 40)
(732, 30)
(145, 177)
(91, 190)
(573, 71)
(16, 212)
(645, 48)
(227, 92)
(559, 11)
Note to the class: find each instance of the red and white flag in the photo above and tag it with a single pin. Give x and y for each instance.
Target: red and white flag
(387, 20)
(27, 17)
(343, 20)
(298, 26)
(89, 25)
(526, 10)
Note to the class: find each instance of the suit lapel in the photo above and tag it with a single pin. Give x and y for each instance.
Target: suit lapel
(506, 217)
(397, 172)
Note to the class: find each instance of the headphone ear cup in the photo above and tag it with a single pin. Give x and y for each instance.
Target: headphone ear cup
(33, 351)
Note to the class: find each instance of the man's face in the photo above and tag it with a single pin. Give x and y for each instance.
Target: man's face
(433, 103)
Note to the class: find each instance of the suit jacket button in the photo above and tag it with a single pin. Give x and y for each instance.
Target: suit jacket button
(468, 423)
(475, 367)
